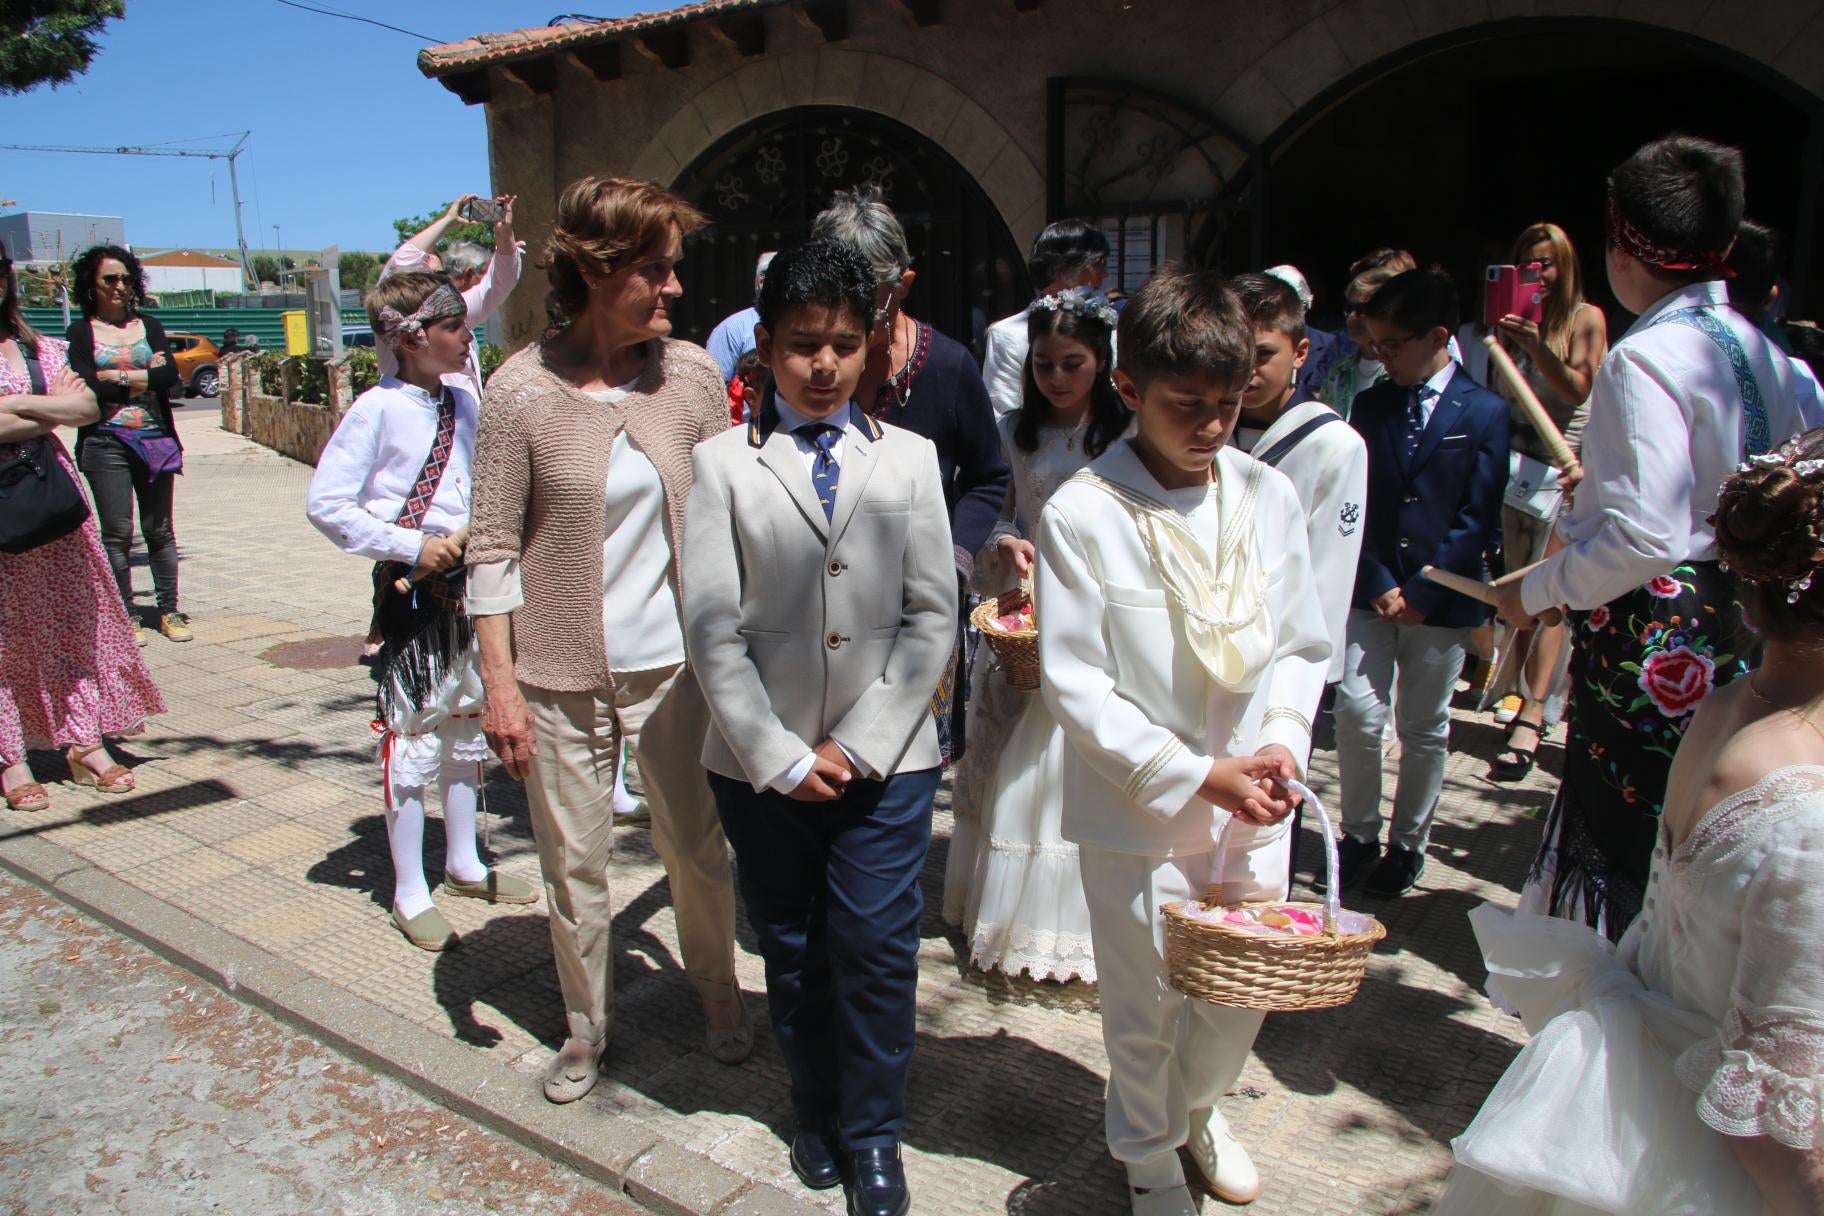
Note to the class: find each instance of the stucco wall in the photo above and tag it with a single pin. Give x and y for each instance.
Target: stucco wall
(975, 83)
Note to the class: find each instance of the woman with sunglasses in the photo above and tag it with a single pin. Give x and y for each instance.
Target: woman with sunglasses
(1360, 369)
(132, 453)
(69, 673)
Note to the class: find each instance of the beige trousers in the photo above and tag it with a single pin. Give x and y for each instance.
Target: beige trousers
(570, 790)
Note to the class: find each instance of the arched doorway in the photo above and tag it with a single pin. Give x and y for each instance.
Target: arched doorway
(1452, 146)
(765, 182)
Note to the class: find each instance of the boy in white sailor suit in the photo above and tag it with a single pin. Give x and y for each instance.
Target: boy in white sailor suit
(1327, 462)
(1182, 649)
(819, 612)
(393, 485)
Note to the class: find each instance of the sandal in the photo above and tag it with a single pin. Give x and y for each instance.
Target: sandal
(27, 796)
(115, 779)
(1517, 762)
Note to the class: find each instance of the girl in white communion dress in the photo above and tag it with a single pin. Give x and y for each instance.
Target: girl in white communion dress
(1682, 1071)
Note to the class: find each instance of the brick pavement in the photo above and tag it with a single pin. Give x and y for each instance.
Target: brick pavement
(258, 812)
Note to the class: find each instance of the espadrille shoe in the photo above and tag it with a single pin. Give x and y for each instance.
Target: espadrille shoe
(496, 888)
(427, 930)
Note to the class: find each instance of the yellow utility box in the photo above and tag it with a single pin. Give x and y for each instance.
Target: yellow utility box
(297, 332)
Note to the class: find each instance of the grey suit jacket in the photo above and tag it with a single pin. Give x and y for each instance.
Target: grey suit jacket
(802, 629)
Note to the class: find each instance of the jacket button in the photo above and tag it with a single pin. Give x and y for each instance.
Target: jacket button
(1404, 542)
(835, 569)
(834, 641)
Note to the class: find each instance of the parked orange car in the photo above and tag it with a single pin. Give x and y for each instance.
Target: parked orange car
(198, 363)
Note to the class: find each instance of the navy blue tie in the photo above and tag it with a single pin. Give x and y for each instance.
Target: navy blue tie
(825, 472)
(1415, 416)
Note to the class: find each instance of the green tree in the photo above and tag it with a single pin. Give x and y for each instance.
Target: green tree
(267, 268)
(410, 226)
(357, 270)
(50, 41)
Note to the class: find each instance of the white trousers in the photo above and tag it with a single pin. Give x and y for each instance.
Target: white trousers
(1168, 1054)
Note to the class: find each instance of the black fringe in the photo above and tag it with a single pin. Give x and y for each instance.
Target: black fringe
(1582, 877)
(422, 636)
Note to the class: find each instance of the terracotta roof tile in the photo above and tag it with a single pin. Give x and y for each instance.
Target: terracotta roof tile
(484, 50)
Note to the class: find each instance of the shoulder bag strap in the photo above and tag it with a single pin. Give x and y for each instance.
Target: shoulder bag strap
(1756, 434)
(33, 369)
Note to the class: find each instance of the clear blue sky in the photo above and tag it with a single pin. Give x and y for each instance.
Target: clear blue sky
(347, 134)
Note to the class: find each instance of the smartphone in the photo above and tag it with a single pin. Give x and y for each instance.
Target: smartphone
(1513, 291)
(484, 211)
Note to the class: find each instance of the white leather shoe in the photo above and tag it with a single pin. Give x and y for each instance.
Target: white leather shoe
(1225, 1165)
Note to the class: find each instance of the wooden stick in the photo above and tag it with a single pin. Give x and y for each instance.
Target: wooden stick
(1562, 456)
(404, 585)
(1487, 593)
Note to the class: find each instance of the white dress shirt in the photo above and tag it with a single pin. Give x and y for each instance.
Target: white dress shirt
(790, 420)
(1666, 428)
(371, 463)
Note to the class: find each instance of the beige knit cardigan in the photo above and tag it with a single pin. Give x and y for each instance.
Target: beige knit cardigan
(541, 469)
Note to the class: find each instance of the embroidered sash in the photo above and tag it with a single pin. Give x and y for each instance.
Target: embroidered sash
(1756, 437)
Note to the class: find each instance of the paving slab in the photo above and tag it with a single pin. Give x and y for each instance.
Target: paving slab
(258, 818)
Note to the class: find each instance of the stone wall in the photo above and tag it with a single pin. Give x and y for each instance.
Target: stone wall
(296, 429)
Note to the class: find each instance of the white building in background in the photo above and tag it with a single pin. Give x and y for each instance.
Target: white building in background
(184, 270)
(45, 237)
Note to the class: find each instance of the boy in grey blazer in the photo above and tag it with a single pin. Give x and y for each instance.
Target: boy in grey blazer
(819, 611)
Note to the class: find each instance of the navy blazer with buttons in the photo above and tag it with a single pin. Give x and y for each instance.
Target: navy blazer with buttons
(1440, 507)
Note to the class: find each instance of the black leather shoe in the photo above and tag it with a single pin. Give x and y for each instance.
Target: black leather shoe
(814, 1161)
(1397, 874)
(1354, 858)
(877, 1183)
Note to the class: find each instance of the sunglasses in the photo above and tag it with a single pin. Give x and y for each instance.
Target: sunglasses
(115, 280)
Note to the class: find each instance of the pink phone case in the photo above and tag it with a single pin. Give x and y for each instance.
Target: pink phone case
(1513, 291)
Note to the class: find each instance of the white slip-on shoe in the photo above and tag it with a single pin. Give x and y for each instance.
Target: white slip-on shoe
(1163, 1201)
(1224, 1163)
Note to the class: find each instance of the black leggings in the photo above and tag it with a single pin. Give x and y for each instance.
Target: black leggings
(117, 478)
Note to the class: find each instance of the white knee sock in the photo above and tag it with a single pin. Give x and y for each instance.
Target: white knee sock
(405, 837)
(457, 787)
(624, 802)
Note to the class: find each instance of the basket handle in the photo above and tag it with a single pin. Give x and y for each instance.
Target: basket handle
(1333, 900)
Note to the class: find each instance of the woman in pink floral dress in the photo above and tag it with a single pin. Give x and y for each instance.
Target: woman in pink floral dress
(70, 673)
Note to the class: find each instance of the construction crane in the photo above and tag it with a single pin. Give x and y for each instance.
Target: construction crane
(234, 182)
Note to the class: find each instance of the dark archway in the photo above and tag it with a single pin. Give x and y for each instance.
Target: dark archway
(765, 182)
(1452, 146)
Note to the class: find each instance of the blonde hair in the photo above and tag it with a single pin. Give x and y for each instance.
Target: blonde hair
(403, 291)
(603, 220)
(1566, 295)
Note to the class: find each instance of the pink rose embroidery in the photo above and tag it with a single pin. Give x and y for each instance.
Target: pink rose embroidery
(1599, 619)
(1676, 680)
(1664, 587)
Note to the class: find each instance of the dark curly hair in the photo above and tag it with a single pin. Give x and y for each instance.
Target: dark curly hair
(821, 271)
(1108, 414)
(1769, 525)
(84, 275)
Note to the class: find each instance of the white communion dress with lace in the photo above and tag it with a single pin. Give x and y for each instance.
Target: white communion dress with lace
(1012, 884)
(1706, 1022)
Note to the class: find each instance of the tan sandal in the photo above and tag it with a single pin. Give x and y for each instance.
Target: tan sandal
(27, 796)
(115, 779)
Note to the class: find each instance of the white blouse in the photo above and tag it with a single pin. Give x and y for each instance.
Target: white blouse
(372, 462)
(1666, 429)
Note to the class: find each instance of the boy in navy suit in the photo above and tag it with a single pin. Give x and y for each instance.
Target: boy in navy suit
(1437, 470)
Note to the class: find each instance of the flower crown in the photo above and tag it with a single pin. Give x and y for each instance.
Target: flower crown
(1083, 302)
(1785, 455)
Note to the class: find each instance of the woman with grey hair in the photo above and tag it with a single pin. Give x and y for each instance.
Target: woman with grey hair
(919, 379)
(485, 279)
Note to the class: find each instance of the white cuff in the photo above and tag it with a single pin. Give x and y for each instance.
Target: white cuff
(860, 768)
(794, 776)
(494, 588)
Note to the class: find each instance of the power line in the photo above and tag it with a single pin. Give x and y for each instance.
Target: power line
(330, 12)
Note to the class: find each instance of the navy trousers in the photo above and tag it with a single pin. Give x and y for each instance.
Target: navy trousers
(832, 892)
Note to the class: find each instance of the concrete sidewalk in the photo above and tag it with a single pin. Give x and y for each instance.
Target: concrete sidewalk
(254, 852)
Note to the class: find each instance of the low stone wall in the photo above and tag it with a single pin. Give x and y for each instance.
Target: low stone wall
(292, 428)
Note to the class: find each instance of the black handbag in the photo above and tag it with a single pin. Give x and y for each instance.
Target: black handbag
(39, 500)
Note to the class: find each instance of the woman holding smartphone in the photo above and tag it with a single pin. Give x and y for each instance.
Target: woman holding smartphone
(132, 453)
(1558, 355)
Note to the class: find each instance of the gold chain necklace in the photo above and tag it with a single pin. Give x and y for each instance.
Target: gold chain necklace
(1764, 699)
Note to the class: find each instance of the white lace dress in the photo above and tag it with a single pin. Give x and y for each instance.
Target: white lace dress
(1011, 882)
(1706, 1022)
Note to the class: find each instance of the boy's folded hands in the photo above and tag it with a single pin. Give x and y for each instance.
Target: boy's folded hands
(829, 776)
(1252, 788)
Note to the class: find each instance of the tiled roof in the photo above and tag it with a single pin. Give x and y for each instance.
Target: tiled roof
(184, 257)
(485, 49)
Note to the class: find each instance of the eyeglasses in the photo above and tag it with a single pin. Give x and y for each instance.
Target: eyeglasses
(114, 280)
(1394, 346)
(1351, 308)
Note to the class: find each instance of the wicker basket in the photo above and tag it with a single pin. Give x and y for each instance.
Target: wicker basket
(1017, 650)
(1227, 965)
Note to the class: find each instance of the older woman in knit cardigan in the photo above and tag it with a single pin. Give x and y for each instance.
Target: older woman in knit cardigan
(582, 470)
